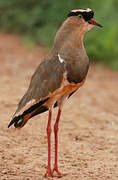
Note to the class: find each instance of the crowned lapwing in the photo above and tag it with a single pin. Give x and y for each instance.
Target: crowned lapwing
(59, 75)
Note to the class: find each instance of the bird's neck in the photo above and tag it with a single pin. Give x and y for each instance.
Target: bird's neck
(69, 46)
(70, 35)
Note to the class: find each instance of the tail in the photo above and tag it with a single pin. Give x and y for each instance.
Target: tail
(20, 120)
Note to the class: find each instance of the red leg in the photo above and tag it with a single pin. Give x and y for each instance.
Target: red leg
(48, 172)
(56, 143)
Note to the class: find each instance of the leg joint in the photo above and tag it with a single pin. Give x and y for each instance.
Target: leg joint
(56, 127)
(49, 130)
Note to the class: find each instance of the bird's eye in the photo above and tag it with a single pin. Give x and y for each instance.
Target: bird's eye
(80, 16)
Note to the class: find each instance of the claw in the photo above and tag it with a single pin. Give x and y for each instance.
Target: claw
(48, 173)
(59, 174)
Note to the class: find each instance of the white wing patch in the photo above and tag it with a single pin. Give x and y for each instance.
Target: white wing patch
(28, 105)
(60, 59)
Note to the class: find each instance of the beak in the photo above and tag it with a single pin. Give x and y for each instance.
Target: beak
(93, 22)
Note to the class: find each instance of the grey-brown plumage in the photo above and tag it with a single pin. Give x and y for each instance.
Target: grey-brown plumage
(60, 74)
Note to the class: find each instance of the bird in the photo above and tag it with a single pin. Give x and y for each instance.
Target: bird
(59, 75)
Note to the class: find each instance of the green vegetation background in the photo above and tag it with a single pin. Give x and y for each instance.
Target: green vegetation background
(38, 21)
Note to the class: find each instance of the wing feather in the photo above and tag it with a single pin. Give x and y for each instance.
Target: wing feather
(46, 79)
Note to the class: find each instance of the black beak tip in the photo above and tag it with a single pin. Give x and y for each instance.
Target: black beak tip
(100, 25)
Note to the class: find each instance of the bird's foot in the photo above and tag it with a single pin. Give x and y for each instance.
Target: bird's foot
(55, 169)
(48, 173)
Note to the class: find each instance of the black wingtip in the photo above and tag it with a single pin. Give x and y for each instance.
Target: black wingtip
(11, 122)
(20, 121)
(16, 121)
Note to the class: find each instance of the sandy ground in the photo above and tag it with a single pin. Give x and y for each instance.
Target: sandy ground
(88, 135)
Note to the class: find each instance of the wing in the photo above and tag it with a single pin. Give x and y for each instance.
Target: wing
(46, 79)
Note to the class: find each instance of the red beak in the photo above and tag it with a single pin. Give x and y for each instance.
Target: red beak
(92, 21)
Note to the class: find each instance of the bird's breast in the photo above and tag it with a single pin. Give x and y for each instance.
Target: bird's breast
(76, 64)
(65, 89)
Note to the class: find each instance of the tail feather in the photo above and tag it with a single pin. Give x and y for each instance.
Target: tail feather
(20, 120)
(16, 120)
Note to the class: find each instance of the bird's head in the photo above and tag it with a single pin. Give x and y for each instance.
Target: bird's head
(84, 17)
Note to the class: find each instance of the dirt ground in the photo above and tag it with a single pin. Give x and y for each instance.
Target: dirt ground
(88, 133)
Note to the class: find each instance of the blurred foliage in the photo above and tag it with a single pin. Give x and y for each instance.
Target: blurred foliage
(38, 21)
